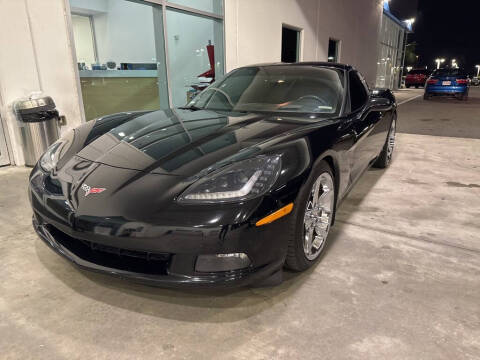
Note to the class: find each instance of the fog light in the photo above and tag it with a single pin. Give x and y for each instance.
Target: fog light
(222, 262)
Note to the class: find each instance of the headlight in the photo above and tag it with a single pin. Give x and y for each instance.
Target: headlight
(243, 180)
(49, 159)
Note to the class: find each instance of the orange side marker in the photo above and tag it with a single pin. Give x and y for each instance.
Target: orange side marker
(276, 215)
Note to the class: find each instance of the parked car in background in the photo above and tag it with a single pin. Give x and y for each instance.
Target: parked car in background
(475, 81)
(449, 82)
(416, 77)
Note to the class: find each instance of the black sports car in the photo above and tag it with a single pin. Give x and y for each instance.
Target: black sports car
(228, 190)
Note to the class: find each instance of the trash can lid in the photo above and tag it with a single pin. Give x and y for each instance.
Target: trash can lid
(30, 105)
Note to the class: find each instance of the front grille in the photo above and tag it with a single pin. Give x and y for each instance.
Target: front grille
(142, 262)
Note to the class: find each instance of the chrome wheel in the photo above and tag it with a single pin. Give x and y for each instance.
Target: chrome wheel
(318, 216)
(391, 141)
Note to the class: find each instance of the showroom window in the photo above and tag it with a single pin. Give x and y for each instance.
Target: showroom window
(84, 38)
(195, 53)
(145, 55)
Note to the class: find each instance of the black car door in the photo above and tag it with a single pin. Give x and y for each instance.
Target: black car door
(366, 125)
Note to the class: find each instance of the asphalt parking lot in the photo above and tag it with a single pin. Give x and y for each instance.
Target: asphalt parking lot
(400, 279)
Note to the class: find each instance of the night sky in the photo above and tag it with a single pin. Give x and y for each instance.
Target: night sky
(448, 29)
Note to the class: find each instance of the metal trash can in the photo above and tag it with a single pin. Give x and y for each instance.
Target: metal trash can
(39, 121)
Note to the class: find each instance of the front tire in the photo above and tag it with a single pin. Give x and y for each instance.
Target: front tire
(385, 157)
(312, 219)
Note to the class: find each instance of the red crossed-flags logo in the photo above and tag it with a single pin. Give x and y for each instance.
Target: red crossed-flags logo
(92, 190)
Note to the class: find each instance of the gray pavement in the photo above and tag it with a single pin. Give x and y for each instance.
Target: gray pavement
(451, 117)
(400, 279)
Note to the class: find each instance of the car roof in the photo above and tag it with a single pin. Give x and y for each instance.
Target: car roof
(307, 63)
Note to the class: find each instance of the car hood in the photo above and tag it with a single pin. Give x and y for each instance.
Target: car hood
(183, 142)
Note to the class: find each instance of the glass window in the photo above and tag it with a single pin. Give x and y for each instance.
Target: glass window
(305, 89)
(127, 71)
(84, 39)
(212, 6)
(358, 92)
(195, 54)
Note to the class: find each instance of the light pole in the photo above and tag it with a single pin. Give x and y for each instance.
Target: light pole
(439, 61)
(478, 70)
(408, 23)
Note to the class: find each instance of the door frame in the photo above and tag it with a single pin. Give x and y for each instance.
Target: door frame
(4, 153)
(5, 148)
(299, 39)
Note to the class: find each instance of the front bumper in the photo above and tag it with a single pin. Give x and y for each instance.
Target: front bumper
(235, 278)
(125, 248)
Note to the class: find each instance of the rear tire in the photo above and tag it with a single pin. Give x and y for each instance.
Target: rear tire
(311, 219)
(407, 86)
(417, 86)
(385, 157)
(426, 96)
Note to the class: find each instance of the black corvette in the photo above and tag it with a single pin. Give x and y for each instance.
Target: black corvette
(241, 182)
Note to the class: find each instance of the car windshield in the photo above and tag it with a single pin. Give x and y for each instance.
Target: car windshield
(279, 88)
(448, 72)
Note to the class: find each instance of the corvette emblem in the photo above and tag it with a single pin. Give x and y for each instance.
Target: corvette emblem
(92, 190)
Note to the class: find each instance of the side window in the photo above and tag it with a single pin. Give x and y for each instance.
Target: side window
(358, 92)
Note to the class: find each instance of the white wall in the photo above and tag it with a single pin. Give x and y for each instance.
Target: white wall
(253, 30)
(36, 55)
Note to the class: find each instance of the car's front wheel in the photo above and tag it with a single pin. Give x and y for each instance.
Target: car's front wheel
(312, 218)
(385, 156)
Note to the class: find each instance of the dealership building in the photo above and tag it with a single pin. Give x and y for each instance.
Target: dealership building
(97, 57)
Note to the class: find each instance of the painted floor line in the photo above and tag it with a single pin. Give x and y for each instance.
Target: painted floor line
(409, 99)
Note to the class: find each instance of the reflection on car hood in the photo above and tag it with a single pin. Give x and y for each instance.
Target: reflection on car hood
(183, 142)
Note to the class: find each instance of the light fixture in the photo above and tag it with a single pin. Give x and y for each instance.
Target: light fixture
(439, 61)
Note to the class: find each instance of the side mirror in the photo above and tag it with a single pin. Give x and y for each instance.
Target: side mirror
(381, 99)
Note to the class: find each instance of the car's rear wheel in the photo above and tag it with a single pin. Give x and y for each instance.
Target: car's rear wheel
(417, 86)
(312, 217)
(385, 157)
(407, 86)
(426, 96)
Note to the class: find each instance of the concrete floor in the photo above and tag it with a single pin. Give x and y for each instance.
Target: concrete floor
(400, 279)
